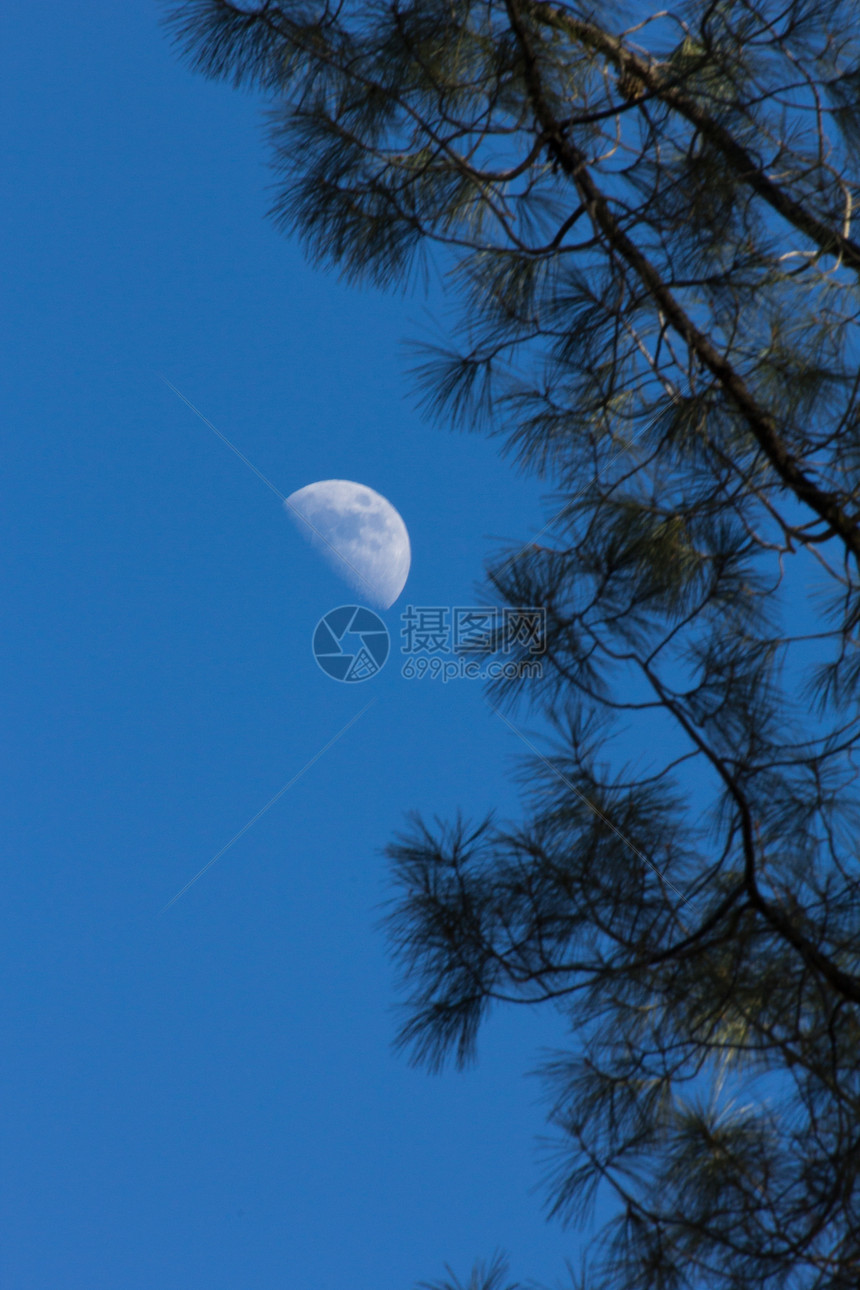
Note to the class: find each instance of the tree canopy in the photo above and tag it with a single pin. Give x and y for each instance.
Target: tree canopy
(644, 221)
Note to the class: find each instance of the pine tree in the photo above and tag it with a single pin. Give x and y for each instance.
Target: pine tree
(644, 221)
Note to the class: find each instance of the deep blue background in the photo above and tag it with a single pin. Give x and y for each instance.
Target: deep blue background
(208, 1097)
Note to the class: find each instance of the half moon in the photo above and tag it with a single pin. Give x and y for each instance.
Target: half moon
(358, 532)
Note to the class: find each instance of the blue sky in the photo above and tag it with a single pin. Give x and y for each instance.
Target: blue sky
(208, 1097)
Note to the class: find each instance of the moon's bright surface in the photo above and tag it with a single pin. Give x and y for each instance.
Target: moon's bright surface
(358, 532)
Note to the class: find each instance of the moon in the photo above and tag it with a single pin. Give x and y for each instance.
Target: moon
(358, 532)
